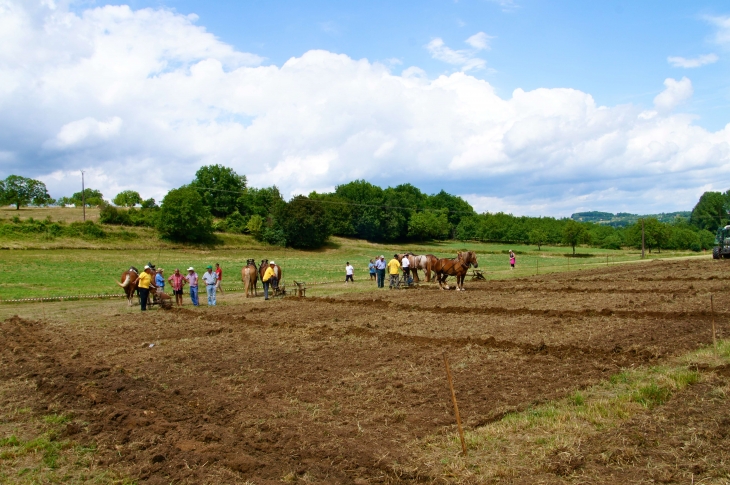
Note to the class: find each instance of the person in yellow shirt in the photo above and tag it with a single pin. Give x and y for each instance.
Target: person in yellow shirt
(269, 279)
(143, 287)
(394, 271)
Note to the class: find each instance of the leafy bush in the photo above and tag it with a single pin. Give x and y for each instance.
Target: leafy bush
(184, 217)
(236, 223)
(303, 224)
(111, 215)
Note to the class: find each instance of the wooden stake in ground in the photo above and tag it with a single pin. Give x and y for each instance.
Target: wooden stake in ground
(456, 407)
(714, 333)
(642, 239)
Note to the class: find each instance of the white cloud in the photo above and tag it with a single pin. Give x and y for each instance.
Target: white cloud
(80, 131)
(141, 99)
(722, 36)
(479, 41)
(675, 93)
(465, 58)
(693, 62)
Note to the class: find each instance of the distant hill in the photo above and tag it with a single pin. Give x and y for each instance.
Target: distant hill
(625, 219)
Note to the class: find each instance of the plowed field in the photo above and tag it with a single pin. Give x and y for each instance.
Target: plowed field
(337, 390)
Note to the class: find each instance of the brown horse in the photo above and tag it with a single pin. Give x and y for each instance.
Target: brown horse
(421, 262)
(249, 275)
(277, 271)
(129, 283)
(443, 268)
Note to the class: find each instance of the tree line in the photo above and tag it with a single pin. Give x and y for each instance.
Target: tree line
(220, 200)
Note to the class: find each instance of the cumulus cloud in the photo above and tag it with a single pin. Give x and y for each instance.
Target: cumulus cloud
(675, 93)
(699, 61)
(141, 99)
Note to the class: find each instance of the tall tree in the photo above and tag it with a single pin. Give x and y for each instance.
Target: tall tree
(219, 187)
(21, 191)
(184, 217)
(127, 198)
(711, 211)
(92, 198)
(304, 223)
(574, 233)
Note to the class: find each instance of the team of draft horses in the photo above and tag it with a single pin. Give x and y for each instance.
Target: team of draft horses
(270, 273)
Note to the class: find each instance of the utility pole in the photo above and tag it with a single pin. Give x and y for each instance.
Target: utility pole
(642, 239)
(83, 195)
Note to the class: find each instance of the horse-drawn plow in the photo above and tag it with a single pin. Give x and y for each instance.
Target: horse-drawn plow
(352, 389)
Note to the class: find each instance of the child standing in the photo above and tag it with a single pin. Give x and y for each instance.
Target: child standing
(511, 259)
(349, 271)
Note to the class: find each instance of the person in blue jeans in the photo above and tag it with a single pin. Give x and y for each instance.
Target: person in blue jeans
(380, 271)
(192, 279)
(210, 279)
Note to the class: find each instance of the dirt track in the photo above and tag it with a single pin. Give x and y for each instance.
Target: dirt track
(332, 389)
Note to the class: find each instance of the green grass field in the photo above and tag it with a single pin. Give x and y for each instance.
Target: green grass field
(35, 273)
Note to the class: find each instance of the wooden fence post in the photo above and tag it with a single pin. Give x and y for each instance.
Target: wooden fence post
(714, 333)
(456, 407)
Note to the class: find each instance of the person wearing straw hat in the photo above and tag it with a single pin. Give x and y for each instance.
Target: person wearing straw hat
(269, 279)
(160, 280)
(210, 279)
(192, 279)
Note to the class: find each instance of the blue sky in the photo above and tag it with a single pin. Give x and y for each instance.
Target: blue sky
(524, 106)
(616, 50)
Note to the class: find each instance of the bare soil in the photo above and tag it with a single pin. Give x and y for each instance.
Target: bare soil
(331, 390)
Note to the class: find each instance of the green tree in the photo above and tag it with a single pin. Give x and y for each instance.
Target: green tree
(711, 211)
(538, 237)
(304, 223)
(429, 225)
(255, 226)
(456, 206)
(574, 233)
(236, 223)
(127, 198)
(92, 198)
(21, 191)
(184, 217)
(149, 204)
(219, 187)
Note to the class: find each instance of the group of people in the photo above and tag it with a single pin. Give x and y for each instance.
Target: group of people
(378, 267)
(211, 278)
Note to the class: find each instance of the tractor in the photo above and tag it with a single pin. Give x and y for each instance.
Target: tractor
(722, 250)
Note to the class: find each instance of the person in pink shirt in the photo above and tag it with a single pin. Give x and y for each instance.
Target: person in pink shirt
(511, 259)
(177, 281)
(192, 279)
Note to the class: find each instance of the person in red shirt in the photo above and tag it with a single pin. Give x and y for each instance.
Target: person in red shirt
(219, 272)
(177, 281)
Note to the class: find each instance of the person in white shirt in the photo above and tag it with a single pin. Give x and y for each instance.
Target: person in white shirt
(210, 279)
(349, 271)
(406, 265)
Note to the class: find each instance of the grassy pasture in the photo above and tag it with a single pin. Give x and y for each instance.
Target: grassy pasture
(36, 273)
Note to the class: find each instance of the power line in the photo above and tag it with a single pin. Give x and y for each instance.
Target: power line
(356, 204)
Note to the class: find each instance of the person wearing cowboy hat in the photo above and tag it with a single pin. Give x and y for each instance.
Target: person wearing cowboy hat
(269, 279)
(380, 271)
(192, 279)
(160, 281)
